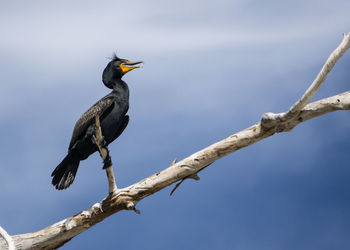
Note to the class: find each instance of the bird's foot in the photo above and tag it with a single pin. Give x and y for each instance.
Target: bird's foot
(107, 162)
(104, 144)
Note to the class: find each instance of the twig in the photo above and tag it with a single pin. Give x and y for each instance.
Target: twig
(192, 176)
(8, 238)
(104, 152)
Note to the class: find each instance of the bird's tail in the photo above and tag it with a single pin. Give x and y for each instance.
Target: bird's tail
(64, 173)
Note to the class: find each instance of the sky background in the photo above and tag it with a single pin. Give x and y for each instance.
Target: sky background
(211, 69)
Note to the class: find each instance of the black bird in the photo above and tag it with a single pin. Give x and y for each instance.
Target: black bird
(112, 111)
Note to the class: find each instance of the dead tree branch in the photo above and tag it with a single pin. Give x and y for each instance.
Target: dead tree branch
(104, 153)
(8, 239)
(270, 119)
(59, 233)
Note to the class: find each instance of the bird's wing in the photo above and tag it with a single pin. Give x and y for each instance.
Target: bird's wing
(89, 116)
(121, 128)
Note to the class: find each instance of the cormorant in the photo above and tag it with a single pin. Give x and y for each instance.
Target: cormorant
(112, 111)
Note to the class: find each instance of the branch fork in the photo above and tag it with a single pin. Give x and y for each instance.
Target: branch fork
(191, 176)
(278, 121)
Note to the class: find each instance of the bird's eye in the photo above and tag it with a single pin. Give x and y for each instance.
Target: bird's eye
(117, 63)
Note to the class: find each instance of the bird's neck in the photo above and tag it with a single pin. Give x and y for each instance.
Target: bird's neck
(121, 88)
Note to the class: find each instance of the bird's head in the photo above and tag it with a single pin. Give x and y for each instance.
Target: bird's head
(116, 69)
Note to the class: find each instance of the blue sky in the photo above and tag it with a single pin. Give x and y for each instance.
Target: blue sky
(211, 69)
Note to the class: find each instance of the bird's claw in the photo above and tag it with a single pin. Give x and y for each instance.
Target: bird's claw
(107, 162)
(103, 142)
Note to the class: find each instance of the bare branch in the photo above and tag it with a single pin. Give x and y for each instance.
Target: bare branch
(270, 119)
(104, 152)
(322, 75)
(8, 238)
(127, 198)
(59, 233)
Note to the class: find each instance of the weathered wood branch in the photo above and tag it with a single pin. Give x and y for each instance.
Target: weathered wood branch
(7, 238)
(59, 233)
(104, 153)
(270, 119)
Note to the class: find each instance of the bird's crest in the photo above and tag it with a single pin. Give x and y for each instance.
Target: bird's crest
(114, 57)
